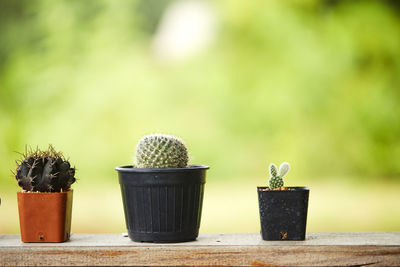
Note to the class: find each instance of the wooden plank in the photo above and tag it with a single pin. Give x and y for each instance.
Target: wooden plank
(320, 249)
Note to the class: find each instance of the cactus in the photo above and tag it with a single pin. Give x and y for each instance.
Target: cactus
(276, 179)
(44, 171)
(273, 170)
(161, 151)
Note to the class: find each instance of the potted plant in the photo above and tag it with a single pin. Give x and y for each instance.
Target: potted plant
(162, 195)
(45, 201)
(283, 210)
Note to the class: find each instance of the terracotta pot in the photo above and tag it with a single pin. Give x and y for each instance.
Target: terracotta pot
(45, 217)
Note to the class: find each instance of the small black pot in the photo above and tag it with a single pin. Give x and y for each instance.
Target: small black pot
(283, 213)
(162, 205)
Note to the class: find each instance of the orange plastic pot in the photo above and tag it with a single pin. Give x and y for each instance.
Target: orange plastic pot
(45, 217)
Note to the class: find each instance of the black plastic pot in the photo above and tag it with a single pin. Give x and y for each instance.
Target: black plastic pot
(162, 205)
(283, 214)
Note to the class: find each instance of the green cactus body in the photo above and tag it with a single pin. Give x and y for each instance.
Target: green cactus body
(161, 151)
(44, 171)
(276, 179)
(273, 170)
(275, 182)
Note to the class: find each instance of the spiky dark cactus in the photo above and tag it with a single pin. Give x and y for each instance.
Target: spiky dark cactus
(161, 151)
(44, 171)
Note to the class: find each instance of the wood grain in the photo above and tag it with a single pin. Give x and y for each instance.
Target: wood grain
(320, 249)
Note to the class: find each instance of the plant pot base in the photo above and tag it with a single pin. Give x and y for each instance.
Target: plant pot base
(162, 237)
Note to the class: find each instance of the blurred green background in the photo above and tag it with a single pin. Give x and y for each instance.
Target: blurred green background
(244, 83)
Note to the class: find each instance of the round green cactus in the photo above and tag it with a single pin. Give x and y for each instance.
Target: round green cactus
(161, 151)
(276, 179)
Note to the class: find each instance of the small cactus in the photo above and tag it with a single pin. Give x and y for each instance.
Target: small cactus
(276, 179)
(44, 171)
(273, 170)
(161, 151)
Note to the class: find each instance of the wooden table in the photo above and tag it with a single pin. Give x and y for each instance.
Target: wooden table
(320, 249)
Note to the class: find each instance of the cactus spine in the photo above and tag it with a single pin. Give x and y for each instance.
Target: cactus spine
(276, 178)
(44, 171)
(161, 151)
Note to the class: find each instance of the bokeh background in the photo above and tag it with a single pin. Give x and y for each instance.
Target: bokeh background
(244, 83)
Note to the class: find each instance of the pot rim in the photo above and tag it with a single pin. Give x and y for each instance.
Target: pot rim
(296, 189)
(44, 193)
(130, 168)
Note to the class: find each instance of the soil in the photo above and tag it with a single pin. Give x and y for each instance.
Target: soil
(283, 188)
